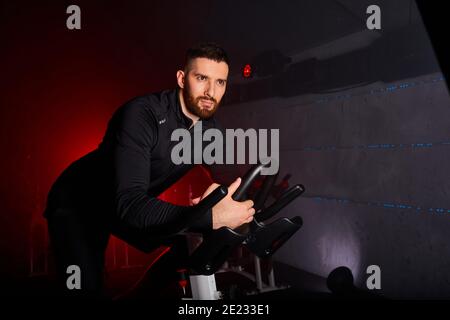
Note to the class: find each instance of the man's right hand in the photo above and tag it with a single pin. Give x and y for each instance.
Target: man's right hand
(228, 212)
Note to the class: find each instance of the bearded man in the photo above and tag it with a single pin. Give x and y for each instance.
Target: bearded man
(114, 189)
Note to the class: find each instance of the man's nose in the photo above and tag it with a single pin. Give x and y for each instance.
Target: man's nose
(209, 92)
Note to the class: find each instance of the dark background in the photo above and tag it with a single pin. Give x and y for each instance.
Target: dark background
(60, 87)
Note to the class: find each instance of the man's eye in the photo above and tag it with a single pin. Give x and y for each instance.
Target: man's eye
(201, 78)
(221, 82)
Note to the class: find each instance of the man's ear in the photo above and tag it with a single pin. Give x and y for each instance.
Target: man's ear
(180, 78)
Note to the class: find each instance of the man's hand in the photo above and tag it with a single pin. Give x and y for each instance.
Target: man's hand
(227, 212)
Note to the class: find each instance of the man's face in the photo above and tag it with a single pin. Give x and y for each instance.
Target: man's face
(204, 86)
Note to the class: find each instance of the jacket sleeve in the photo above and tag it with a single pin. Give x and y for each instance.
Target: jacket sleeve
(134, 138)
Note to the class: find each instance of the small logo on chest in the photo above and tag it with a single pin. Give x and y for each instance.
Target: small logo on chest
(162, 121)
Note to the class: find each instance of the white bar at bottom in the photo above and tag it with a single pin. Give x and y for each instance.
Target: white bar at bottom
(204, 287)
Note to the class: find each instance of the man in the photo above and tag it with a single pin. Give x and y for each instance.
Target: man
(113, 189)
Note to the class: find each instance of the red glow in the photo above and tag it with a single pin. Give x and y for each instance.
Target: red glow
(190, 186)
(247, 72)
(60, 88)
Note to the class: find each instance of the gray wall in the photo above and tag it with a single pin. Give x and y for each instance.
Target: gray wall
(366, 203)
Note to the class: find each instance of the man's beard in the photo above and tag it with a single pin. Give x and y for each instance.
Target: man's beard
(192, 105)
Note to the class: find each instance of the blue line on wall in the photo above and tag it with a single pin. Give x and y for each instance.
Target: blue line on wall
(381, 204)
(379, 146)
(383, 90)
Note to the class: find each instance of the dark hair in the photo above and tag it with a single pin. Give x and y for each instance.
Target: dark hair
(209, 50)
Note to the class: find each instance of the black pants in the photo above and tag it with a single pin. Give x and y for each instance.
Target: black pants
(77, 238)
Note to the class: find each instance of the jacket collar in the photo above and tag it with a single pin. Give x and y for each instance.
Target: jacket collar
(175, 102)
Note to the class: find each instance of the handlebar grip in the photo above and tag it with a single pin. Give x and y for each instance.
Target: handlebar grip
(264, 192)
(198, 211)
(247, 181)
(210, 201)
(283, 201)
(193, 213)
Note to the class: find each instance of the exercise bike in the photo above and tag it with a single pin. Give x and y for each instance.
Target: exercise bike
(184, 272)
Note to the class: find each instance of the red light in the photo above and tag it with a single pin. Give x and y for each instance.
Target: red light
(247, 72)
